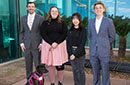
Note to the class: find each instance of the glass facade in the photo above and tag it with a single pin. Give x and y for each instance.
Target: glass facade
(8, 30)
(118, 8)
(85, 8)
(12, 10)
(10, 13)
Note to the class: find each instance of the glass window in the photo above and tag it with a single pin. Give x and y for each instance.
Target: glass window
(8, 30)
(118, 8)
(4, 30)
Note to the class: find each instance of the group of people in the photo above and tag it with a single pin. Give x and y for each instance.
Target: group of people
(51, 43)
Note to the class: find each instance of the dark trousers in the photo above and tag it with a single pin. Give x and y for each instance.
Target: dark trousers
(30, 56)
(78, 70)
(98, 62)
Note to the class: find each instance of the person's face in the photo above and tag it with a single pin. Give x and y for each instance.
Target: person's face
(75, 21)
(31, 8)
(99, 9)
(54, 13)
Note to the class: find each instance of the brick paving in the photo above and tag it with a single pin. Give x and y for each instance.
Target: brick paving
(68, 80)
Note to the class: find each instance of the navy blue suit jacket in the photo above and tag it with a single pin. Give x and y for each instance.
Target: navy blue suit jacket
(103, 39)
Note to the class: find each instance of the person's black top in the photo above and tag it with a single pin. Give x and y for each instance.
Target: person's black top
(76, 37)
(75, 34)
(53, 31)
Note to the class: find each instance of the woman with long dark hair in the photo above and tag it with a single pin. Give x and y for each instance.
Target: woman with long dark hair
(75, 45)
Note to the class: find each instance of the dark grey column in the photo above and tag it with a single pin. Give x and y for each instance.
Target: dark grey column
(1, 34)
(13, 17)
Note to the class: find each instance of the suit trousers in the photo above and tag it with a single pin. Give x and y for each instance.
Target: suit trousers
(30, 56)
(98, 62)
(78, 70)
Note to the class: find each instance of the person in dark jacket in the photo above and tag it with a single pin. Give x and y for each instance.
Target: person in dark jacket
(75, 46)
(30, 38)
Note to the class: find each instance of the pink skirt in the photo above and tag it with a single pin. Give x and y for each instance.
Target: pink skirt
(54, 57)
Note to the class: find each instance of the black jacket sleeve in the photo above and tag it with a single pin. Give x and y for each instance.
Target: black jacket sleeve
(69, 45)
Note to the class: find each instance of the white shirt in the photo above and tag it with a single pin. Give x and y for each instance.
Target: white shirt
(30, 20)
(97, 24)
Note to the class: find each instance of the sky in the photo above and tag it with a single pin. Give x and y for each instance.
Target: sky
(122, 7)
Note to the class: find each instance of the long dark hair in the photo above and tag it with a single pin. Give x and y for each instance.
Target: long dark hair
(80, 21)
(49, 18)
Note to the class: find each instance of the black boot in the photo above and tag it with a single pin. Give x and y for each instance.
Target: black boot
(59, 83)
(52, 84)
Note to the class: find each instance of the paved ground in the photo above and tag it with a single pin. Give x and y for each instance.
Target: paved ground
(68, 80)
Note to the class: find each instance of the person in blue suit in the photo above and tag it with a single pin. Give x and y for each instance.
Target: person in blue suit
(101, 33)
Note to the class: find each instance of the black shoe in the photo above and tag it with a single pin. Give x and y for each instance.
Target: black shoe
(59, 83)
(52, 84)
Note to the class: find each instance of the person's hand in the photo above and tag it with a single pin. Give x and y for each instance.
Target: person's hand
(23, 48)
(72, 57)
(54, 45)
(40, 47)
